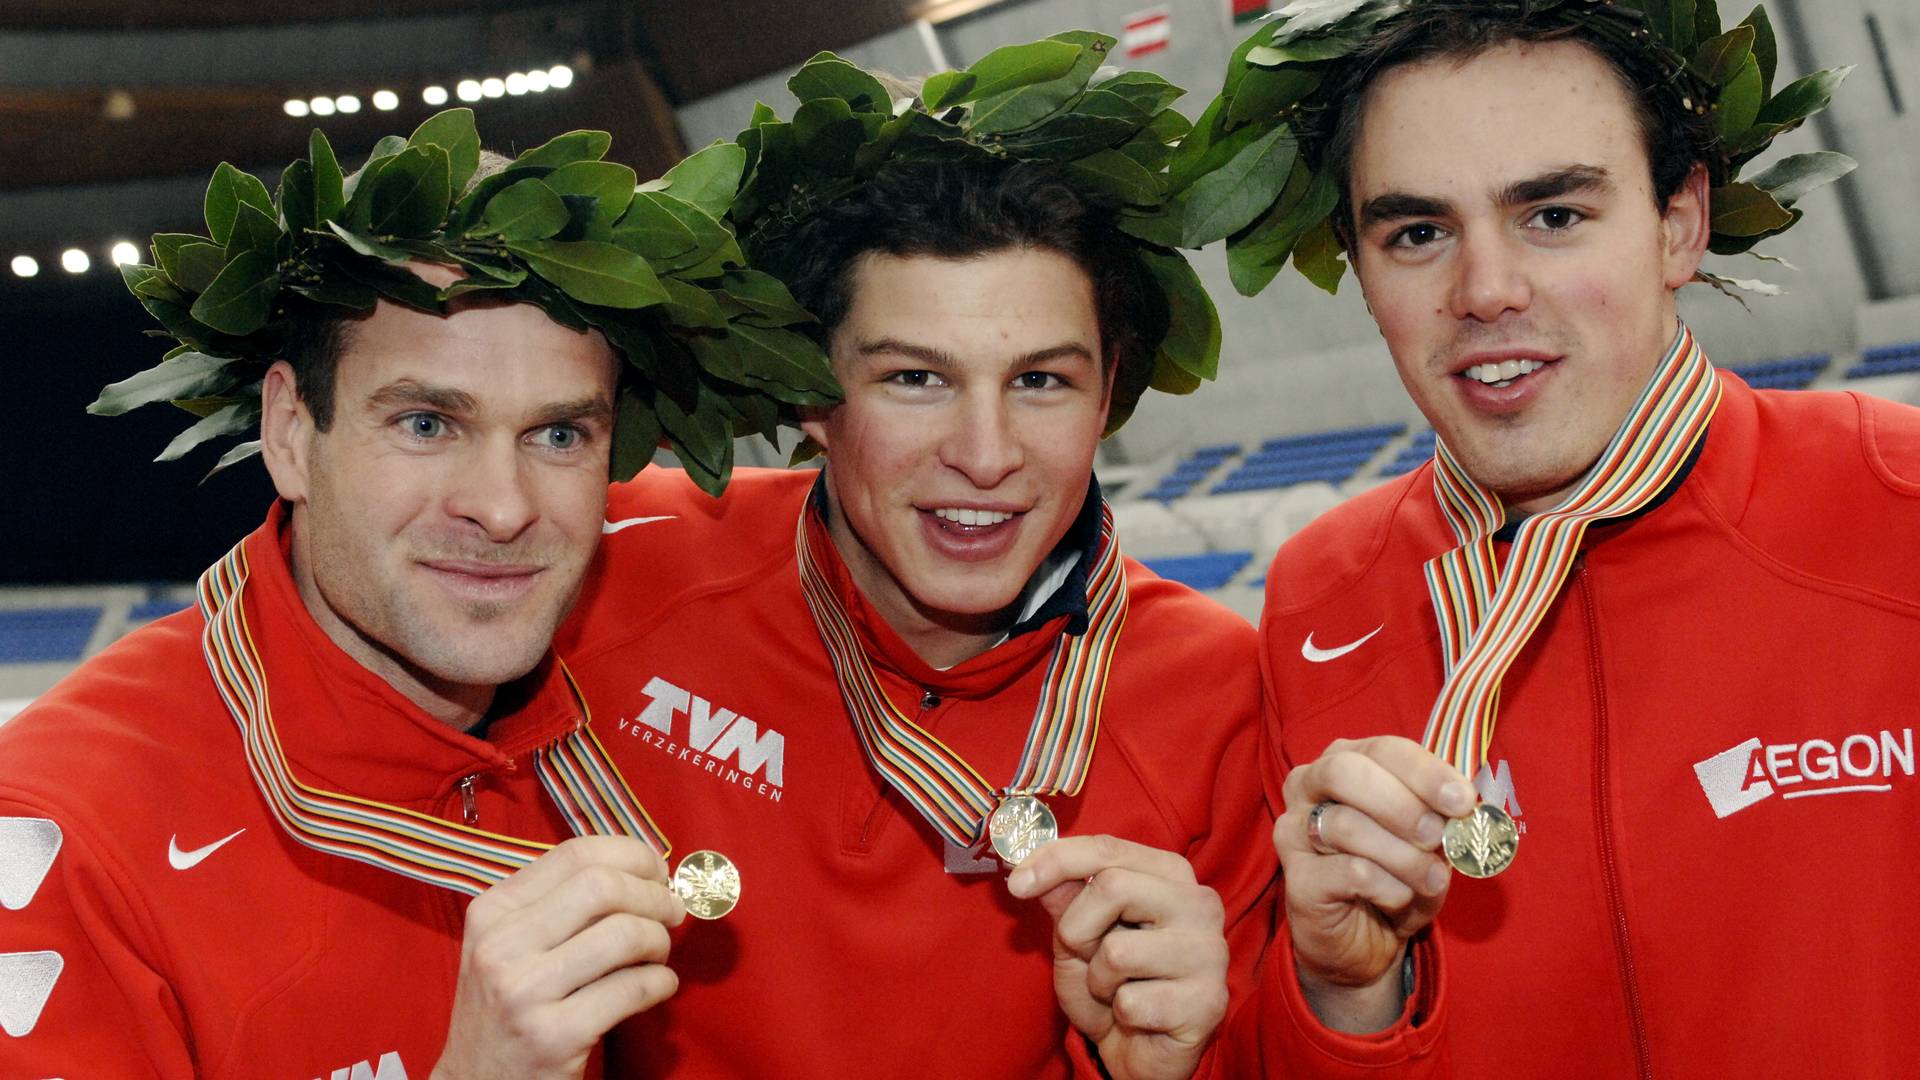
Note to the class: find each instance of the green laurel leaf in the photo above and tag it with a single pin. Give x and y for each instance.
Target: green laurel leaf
(708, 178)
(1224, 200)
(187, 374)
(228, 190)
(829, 76)
(329, 191)
(593, 272)
(525, 210)
(452, 131)
(567, 149)
(240, 299)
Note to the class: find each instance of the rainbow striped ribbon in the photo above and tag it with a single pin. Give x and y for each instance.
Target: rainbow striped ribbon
(1487, 613)
(947, 791)
(575, 770)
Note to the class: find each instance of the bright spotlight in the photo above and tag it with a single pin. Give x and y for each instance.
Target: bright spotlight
(434, 95)
(468, 90)
(347, 103)
(387, 100)
(537, 81)
(25, 266)
(75, 261)
(321, 106)
(560, 76)
(295, 108)
(492, 87)
(517, 83)
(124, 254)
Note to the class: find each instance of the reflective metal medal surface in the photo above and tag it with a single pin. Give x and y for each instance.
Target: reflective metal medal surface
(1018, 825)
(707, 883)
(1482, 843)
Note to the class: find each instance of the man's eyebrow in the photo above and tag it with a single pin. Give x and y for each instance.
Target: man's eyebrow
(1395, 205)
(937, 359)
(444, 399)
(944, 362)
(594, 409)
(1592, 179)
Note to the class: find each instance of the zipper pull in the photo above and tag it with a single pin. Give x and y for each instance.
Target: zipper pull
(467, 807)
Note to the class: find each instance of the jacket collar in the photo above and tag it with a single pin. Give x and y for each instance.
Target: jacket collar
(345, 728)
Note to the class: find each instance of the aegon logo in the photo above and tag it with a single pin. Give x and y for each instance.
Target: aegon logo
(1736, 779)
(717, 741)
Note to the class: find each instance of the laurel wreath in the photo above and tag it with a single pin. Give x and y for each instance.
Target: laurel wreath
(1041, 101)
(1240, 175)
(707, 342)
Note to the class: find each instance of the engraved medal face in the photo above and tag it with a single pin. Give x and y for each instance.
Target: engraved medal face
(1481, 844)
(707, 883)
(1018, 825)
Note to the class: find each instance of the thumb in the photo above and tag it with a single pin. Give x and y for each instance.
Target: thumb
(1057, 899)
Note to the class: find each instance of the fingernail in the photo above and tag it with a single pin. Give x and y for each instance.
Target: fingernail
(1020, 881)
(1437, 878)
(1458, 797)
(1429, 830)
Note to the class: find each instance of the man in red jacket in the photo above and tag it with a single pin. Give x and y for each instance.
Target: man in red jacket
(241, 842)
(1675, 595)
(920, 661)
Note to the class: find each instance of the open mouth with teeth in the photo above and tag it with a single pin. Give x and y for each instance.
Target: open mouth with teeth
(1502, 374)
(972, 519)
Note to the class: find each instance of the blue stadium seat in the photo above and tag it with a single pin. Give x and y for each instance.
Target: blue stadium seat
(1887, 360)
(1329, 456)
(1190, 471)
(1203, 572)
(149, 610)
(1411, 456)
(1793, 373)
(38, 635)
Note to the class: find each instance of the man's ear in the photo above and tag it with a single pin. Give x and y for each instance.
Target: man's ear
(286, 433)
(1686, 226)
(813, 424)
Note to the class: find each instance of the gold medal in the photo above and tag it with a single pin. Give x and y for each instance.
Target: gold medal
(1482, 843)
(1018, 825)
(708, 883)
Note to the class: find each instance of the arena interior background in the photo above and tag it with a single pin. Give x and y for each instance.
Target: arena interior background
(112, 118)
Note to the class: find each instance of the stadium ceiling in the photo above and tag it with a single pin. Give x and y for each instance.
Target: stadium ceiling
(124, 108)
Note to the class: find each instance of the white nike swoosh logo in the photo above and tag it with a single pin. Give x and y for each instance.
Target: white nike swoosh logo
(608, 528)
(1321, 656)
(187, 860)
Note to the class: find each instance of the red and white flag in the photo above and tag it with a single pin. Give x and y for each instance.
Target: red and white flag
(1147, 32)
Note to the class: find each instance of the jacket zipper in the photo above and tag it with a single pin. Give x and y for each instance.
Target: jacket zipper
(468, 810)
(1609, 865)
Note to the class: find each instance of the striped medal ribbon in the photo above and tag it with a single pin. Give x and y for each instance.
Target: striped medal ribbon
(575, 770)
(948, 792)
(1487, 612)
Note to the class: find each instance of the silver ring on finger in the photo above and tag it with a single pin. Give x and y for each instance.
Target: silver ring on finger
(1314, 839)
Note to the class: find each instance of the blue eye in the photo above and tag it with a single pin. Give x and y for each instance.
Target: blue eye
(424, 425)
(563, 437)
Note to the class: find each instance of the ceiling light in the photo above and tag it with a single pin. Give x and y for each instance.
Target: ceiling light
(347, 103)
(560, 76)
(295, 108)
(517, 83)
(321, 106)
(25, 266)
(434, 95)
(468, 90)
(492, 87)
(387, 100)
(75, 261)
(537, 81)
(124, 254)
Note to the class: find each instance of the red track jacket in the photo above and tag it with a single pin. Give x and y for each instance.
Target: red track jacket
(154, 919)
(861, 947)
(1709, 745)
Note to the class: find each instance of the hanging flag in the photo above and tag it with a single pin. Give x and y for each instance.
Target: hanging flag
(1245, 11)
(1147, 32)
